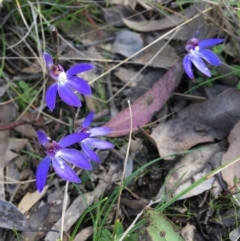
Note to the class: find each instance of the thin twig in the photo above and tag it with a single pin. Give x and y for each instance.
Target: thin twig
(25, 36)
(22, 15)
(125, 161)
(55, 40)
(137, 217)
(64, 208)
(12, 125)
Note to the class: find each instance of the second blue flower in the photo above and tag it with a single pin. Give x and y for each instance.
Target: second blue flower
(66, 83)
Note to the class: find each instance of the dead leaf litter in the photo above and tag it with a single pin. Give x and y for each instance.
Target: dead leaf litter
(182, 129)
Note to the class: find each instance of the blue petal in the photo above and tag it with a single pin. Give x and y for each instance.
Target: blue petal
(187, 65)
(99, 131)
(210, 57)
(42, 138)
(64, 171)
(48, 60)
(100, 144)
(209, 42)
(42, 172)
(75, 157)
(67, 95)
(78, 68)
(80, 85)
(72, 139)
(88, 120)
(51, 96)
(199, 64)
(90, 153)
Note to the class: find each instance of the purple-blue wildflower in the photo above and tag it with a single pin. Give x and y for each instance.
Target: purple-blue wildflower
(66, 83)
(90, 143)
(196, 52)
(59, 155)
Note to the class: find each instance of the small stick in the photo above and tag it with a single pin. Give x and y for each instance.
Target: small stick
(12, 125)
(55, 40)
(125, 161)
(65, 200)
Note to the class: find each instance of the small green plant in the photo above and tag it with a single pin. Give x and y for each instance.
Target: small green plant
(26, 94)
(236, 72)
(218, 49)
(200, 80)
(118, 230)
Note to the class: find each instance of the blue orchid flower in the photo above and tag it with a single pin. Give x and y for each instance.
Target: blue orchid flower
(91, 142)
(59, 155)
(196, 52)
(66, 83)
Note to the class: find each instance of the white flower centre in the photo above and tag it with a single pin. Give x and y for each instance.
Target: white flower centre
(62, 78)
(60, 162)
(196, 49)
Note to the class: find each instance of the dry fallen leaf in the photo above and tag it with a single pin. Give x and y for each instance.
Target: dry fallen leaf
(34, 68)
(131, 3)
(149, 79)
(167, 22)
(127, 43)
(91, 53)
(215, 90)
(85, 33)
(228, 76)
(191, 168)
(127, 74)
(145, 106)
(4, 135)
(3, 89)
(113, 15)
(7, 114)
(12, 173)
(84, 234)
(55, 200)
(166, 59)
(30, 199)
(188, 232)
(7, 146)
(12, 218)
(234, 235)
(39, 221)
(13, 144)
(199, 123)
(232, 153)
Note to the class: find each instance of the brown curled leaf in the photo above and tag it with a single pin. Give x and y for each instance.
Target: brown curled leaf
(145, 106)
